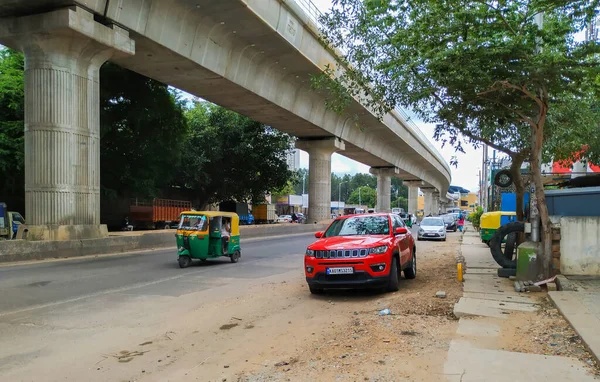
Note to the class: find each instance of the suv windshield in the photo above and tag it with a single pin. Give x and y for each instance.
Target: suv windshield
(359, 225)
(193, 222)
(432, 222)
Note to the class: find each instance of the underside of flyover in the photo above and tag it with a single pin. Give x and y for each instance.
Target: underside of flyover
(243, 56)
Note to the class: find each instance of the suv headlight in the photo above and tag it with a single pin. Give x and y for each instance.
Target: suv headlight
(442, 230)
(421, 230)
(379, 250)
(310, 253)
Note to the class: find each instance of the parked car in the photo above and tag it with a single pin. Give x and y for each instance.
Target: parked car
(450, 222)
(301, 217)
(361, 251)
(284, 219)
(432, 228)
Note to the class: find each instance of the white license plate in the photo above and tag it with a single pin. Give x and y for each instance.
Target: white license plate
(340, 271)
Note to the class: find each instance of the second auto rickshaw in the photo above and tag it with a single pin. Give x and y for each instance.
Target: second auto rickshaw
(207, 235)
(491, 221)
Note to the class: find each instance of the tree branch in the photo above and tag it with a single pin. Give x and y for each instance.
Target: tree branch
(513, 110)
(508, 85)
(467, 133)
(499, 13)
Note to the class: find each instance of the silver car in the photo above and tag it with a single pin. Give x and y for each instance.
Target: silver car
(432, 228)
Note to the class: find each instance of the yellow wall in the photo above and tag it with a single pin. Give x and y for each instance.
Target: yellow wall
(471, 199)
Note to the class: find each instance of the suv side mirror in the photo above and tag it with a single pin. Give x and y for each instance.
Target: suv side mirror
(319, 235)
(401, 231)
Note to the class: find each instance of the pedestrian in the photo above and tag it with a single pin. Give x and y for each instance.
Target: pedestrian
(294, 218)
(461, 221)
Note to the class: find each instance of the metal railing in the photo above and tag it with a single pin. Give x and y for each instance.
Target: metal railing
(312, 11)
(315, 15)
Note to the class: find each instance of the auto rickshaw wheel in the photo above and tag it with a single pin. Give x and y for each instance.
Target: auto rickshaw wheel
(235, 256)
(184, 261)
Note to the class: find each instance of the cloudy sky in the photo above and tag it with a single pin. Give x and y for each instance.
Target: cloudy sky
(464, 175)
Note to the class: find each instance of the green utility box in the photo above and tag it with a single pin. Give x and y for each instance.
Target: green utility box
(528, 262)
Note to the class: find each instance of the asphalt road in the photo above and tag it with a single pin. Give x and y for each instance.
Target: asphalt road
(26, 288)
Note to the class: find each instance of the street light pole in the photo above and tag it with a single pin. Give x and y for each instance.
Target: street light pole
(359, 200)
(303, 178)
(339, 194)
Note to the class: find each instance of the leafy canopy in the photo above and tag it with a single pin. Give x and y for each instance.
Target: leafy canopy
(142, 130)
(364, 195)
(229, 156)
(11, 129)
(472, 67)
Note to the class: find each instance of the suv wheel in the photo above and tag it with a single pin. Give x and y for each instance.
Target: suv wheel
(394, 281)
(411, 271)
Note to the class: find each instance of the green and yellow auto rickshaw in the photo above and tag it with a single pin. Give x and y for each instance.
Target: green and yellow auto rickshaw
(207, 235)
(491, 221)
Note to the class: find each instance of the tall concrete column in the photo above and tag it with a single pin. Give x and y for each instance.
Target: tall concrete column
(413, 197)
(428, 199)
(319, 175)
(63, 50)
(384, 186)
(436, 203)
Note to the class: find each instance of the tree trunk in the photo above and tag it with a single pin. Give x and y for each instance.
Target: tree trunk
(536, 172)
(515, 171)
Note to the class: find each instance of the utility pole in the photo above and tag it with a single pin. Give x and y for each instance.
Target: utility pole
(303, 178)
(359, 200)
(339, 194)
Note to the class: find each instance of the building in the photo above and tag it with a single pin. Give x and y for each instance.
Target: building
(468, 201)
(293, 160)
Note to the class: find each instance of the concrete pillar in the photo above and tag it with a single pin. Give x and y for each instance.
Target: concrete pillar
(63, 50)
(319, 175)
(384, 186)
(413, 198)
(428, 199)
(436, 203)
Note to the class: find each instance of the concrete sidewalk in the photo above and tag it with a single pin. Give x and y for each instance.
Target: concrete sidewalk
(581, 308)
(476, 354)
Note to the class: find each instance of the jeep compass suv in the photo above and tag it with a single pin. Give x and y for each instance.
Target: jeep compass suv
(361, 251)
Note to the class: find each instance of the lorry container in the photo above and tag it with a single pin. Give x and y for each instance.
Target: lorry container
(264, 213)
(159, 214)
(239, 208)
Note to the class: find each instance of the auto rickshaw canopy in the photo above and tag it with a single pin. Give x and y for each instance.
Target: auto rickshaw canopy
(235, 219)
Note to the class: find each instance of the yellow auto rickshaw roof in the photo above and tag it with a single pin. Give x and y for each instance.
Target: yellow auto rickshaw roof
(211, 214)
(493, 213)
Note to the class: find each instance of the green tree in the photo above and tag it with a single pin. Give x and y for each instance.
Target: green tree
(12, 186)
(142, 131)
(228, 156)
(364, 195)
(483, 72)
(301, 179)
(399, 202)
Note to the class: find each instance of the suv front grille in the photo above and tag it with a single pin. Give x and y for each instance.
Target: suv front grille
(342, 254)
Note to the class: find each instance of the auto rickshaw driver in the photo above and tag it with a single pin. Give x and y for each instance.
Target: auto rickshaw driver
(225, 234)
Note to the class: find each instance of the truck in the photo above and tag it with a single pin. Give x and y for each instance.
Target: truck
(264, 213)
(9, 222)
(241, 209)
(157, 214)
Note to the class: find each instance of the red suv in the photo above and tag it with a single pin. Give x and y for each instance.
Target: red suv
(361, 251)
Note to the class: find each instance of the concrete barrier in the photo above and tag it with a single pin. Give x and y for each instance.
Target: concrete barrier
(22, 250)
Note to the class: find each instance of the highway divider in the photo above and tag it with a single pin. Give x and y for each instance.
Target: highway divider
(119, 242)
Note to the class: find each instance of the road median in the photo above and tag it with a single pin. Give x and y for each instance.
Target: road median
(118, 242)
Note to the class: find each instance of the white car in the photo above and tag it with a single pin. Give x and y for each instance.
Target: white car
(432, 228)
(284, 219)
